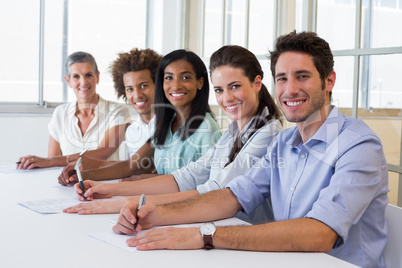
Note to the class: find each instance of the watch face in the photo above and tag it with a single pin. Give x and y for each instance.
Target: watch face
(208, 228)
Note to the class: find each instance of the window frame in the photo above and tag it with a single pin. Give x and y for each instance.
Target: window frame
(310, 10)
(41, 106)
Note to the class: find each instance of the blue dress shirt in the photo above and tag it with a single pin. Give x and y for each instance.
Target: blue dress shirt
(338, 177)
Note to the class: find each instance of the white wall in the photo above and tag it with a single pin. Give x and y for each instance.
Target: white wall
(22, 135)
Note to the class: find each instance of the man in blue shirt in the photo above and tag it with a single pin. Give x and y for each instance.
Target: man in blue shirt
(327, 177)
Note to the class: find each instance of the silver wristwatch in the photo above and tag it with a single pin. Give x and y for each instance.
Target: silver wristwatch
(207, 231)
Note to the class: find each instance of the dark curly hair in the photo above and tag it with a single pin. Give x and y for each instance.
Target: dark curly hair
(309, 43)
(133, 61)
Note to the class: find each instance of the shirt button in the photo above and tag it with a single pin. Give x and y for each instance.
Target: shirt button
(292, 188)
(303, 156)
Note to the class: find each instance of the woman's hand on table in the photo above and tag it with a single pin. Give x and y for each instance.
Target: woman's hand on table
(33, 161)
(98, 206)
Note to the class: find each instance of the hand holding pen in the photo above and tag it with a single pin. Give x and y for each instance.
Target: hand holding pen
(140, 204)
(77, 169)
(128, 217)
(68, 176)
(84, 151)
(32, 161)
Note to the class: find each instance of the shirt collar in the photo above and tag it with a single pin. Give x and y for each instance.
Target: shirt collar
(100, 105)
(327, 133)
(330, 129)
(141, 120)
(72, 106)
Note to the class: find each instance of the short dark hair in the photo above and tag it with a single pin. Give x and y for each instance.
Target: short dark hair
(239, 57)
(199, 106)
(309, 43)
(133, 61)
(78, 57)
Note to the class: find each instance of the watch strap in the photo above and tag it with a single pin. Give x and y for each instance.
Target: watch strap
(208, 242)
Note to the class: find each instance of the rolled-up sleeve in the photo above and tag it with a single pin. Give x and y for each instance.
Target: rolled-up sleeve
(56, 124)
(195, 173)
(252, 188)
(252, 151)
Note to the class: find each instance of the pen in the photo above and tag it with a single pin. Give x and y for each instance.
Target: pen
(83, 152)
(19, 162)
(140, 204)
(77, 169)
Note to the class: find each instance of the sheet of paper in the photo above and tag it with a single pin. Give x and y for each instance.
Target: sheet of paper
(48, 206)
(120, 240)
(114, 239)
(11, 168)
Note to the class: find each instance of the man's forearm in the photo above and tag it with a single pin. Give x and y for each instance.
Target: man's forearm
(139, 163)
(211, 206)
(116, 170)
(291, 235)
(163, 199)
(157, 185)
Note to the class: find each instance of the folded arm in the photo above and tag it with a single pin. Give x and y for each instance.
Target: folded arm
(140, 163)
(54, 159)
(109, 144)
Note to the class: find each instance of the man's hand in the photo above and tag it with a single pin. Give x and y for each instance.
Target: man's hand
(168, 238)
(147, 216)
(68, 176)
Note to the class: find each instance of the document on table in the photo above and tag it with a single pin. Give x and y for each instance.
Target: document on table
(48, 206)
(114, 239)
(120, 240)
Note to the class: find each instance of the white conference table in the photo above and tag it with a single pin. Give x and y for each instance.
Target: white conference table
(31, 239)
